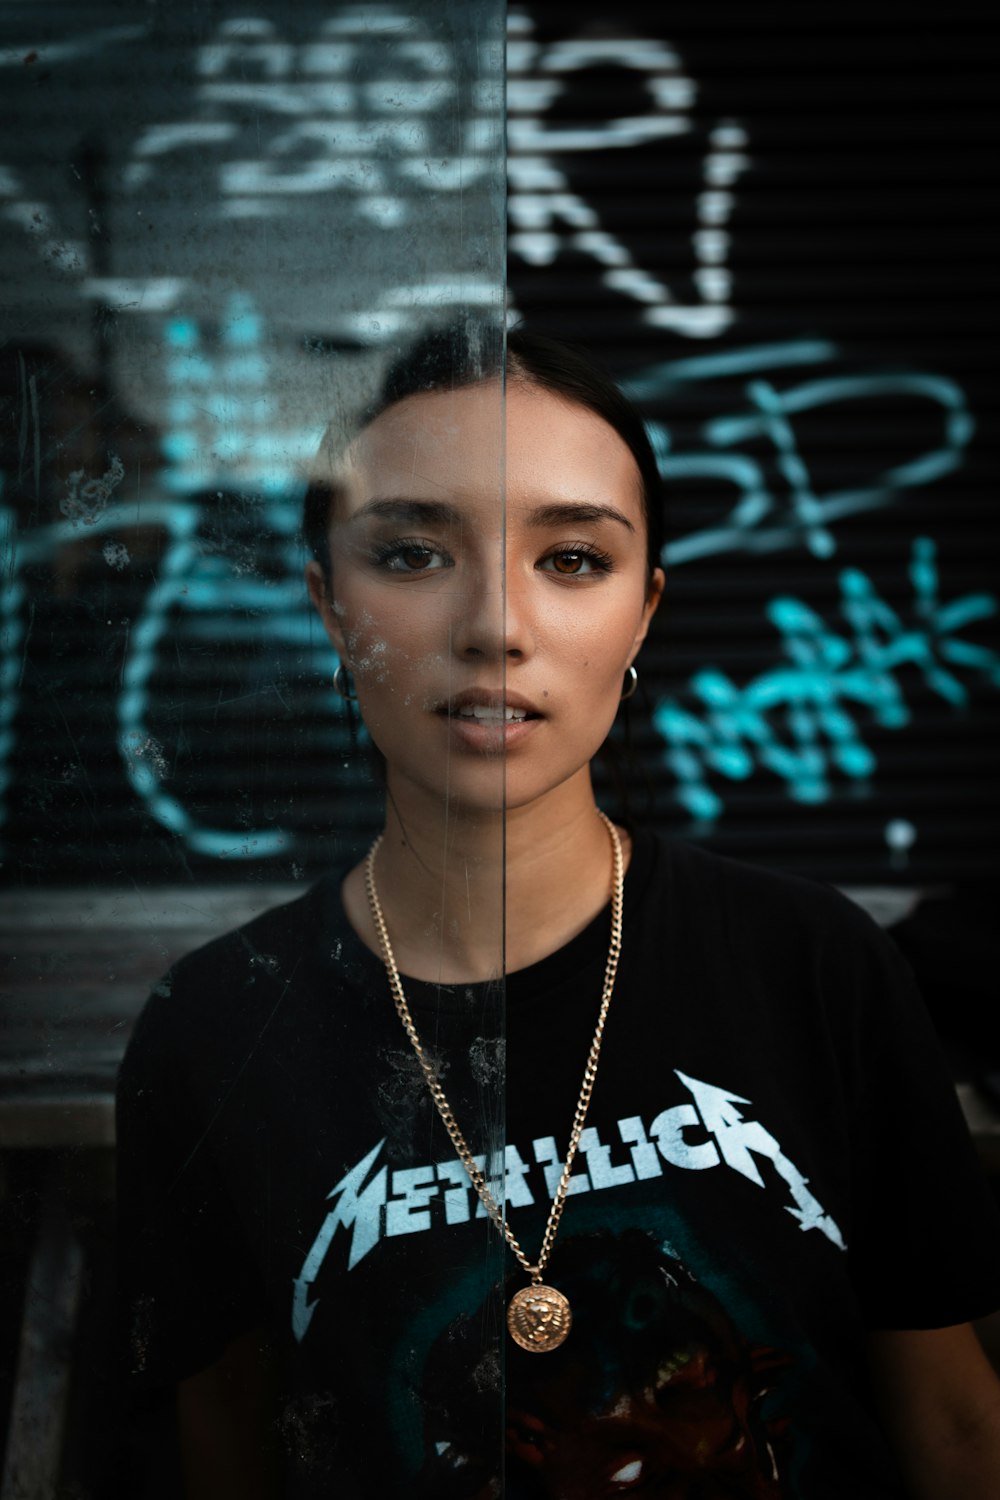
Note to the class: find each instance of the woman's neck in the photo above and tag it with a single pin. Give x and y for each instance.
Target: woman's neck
(468, 896)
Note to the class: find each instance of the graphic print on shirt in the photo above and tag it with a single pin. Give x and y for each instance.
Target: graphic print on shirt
(657, 1391)
(705, 1131)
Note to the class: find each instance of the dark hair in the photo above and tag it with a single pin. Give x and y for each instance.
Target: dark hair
(570, 371)
(466, 354)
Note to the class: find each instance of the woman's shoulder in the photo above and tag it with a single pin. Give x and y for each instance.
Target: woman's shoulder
(760, 901)
(270, 943)
(225, 988)
(787, 945)
(275, 933)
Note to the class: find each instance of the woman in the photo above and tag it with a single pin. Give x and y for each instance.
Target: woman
(745, 1265)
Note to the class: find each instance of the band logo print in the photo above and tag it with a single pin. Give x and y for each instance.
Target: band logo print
(706, 1130)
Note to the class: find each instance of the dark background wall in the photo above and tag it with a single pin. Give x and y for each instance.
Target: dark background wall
(778, 223)
(775, 222)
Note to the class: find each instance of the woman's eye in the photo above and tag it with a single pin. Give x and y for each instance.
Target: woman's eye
(576, 562)
(411, 557)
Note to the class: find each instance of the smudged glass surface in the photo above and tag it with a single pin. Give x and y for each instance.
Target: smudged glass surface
(223, 226)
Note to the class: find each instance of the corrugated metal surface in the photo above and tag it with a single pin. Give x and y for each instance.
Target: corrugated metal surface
(217, 221)
(777, 222)
(798, 275)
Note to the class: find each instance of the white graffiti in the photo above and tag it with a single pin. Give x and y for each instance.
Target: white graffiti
(548, 219)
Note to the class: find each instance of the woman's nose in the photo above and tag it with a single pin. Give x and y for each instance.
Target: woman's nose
(492, 619)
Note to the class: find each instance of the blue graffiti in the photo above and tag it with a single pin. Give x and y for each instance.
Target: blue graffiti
(196, 589)
(188, 581)
(763, 520)
(796, 719)
(220, 408)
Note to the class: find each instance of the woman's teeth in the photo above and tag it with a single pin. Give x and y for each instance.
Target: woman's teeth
(496, 715)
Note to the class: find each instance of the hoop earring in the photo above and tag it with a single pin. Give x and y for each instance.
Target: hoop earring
(630, 685)
(343, 685)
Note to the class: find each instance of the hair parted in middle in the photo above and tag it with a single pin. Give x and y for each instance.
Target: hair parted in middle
(472, 352)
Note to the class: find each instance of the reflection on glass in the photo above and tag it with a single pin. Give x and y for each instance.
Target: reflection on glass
(226, 227)
(219, 228)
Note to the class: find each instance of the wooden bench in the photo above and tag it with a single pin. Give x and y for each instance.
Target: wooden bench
(75, 970)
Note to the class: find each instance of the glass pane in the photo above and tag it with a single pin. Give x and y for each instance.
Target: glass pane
(256, 259)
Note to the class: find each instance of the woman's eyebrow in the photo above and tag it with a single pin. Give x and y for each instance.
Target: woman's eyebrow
(435, 512)
(423, 512)
(565, 514)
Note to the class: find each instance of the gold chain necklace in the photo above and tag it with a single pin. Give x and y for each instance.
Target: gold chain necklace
(539, 1316)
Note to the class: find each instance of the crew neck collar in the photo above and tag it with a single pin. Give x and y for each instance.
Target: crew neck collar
(521, 987)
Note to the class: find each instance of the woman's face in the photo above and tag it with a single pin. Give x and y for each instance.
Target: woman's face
(488, 589)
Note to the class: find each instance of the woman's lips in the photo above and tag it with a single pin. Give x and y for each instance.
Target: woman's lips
(488, 701)
(494, 735)
(489, 722)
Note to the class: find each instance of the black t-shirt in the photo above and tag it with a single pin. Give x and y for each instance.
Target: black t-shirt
(774, 1163)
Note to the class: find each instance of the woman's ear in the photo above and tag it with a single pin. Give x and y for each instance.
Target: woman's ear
(654, 594)
(318, 585)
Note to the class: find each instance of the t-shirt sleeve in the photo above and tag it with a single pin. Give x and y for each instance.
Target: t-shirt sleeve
(187, 1285)
(925, 1248)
